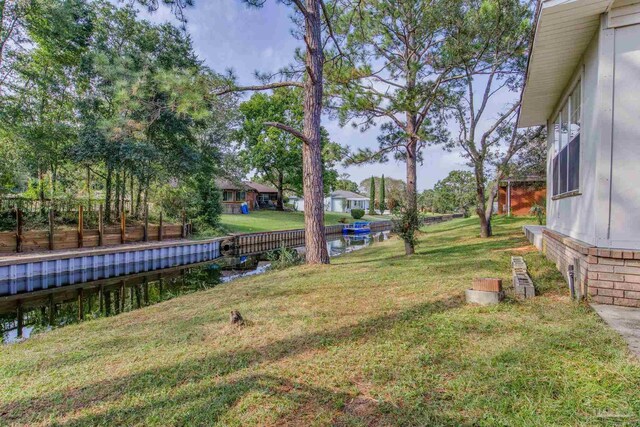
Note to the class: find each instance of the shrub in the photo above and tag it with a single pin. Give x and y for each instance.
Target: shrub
(357, 213)
(539, 212)
(283, 258)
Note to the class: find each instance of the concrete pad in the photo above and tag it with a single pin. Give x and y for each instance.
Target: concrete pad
(483, 297)
(623, 320)
(534, 234)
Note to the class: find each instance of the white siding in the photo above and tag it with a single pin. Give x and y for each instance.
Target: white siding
(574, 216)
(624, 226)
(606, 212)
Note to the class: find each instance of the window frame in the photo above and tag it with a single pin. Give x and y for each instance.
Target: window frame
(562, 152)
(231, 195)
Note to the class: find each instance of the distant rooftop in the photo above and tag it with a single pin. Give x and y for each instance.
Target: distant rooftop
(350, 195)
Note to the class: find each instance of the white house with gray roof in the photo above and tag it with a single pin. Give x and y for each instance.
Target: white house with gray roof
(583, 83)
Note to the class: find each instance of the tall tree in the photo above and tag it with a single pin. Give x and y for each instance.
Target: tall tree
(274, 154)
(492, 40)
(372, 197)
(455, 193)
(383, 203)
(310, 15)
(401, 65)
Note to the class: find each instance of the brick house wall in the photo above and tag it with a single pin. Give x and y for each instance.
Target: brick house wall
(605, 276)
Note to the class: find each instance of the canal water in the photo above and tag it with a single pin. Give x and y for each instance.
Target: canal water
(22, 316)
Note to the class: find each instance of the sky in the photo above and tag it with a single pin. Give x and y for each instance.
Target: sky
(229, 35)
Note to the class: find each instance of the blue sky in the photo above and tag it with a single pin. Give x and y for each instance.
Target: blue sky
(228, 34)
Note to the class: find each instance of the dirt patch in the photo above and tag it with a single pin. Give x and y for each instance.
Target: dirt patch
(362, 407)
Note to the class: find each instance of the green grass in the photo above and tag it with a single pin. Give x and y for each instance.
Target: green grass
(266, 220)
(376, 338)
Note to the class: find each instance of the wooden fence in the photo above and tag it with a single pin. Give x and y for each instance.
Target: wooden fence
(52, 239)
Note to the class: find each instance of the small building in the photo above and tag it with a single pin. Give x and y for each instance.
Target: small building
(344, 201)
(516, 196)
(234, 194)
(297, 202)
(583, 83)
(267, 196)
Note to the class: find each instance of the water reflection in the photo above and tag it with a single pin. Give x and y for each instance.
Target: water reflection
(24, 315)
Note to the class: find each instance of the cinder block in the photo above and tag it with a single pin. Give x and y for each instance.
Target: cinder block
(601, 284)
(627, 286)
(611, 276)
(483, 297)
(627, 270)
(612, 293)
(601, 268)
(610, 261)
(631, 294)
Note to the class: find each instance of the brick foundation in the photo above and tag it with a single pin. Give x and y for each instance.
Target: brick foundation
(606, 276)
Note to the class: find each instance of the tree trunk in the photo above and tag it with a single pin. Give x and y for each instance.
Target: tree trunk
(123, 192)
(485, 221)
(412, 197)
(315, 240)
(107, 195)
(138, 197)
(117, 198)
(280, 202)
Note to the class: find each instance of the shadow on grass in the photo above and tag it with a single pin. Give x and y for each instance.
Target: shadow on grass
(194, 391)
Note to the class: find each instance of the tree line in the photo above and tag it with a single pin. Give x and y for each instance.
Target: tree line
(93, 94)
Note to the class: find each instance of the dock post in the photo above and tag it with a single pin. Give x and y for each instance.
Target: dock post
(18, 230)
(100, 225)
(183, 234)
(160, 229)
(80, 226)
(101, 297)
(146, 222)
(123, 226)
(51, 228)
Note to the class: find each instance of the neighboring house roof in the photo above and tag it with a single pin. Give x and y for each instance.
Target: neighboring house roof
(349, 195)
(225, 184)
(563, 30)
(530, 178)
(261, 188)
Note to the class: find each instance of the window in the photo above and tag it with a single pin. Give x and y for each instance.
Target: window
(241, 196)
(566, 143)
(227, 196)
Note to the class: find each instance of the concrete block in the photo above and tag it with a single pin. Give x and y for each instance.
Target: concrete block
(483, 297)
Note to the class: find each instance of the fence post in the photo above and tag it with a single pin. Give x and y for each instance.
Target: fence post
(51, 225)
(100, 225)
(183, 233)
(160, 229)
(123, 226)
(18, 230)
(80, 226)
(146, 222)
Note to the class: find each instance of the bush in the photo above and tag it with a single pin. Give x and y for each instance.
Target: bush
(539, 211)
(283, 258)
(357, 213)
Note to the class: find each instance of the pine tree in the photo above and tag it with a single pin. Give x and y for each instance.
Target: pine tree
(383, 206)
(372, 197)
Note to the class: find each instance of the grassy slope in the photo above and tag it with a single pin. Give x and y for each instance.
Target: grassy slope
(374, 339)
(274, 220)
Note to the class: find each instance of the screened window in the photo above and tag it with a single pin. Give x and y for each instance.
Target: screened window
(227, 196)
(566, 134)
(241, 196)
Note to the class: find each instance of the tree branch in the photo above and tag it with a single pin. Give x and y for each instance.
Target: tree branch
(288, 129)
(259, 87)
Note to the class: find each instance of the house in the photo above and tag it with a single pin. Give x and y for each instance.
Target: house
(516, 196)
(234, 194)
(297, 202)
(344, 201)
(267, 196)
(255, 195)
(583, 83)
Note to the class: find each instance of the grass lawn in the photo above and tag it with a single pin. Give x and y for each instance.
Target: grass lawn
(267, 220)
(376, 338)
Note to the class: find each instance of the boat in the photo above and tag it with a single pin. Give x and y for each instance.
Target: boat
(358, 227)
